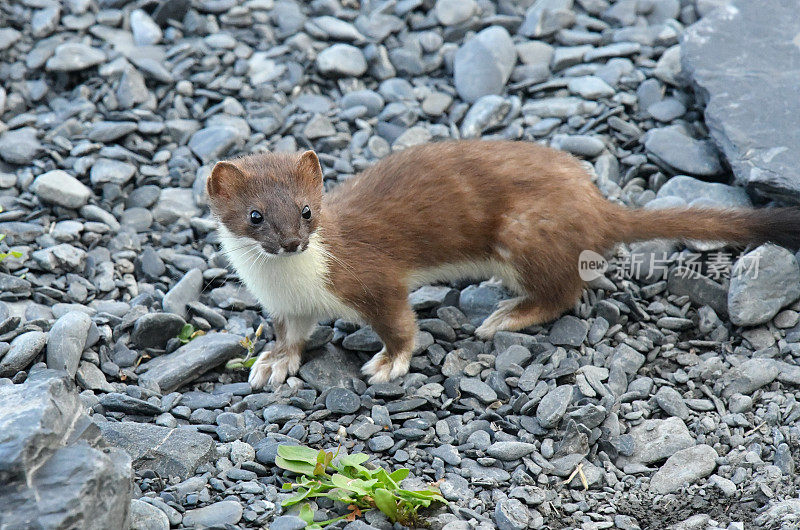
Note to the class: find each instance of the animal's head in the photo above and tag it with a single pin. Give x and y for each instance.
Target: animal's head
(273, 199)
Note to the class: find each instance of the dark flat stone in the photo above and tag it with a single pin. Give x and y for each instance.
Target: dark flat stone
(744, 61)
(190, 361)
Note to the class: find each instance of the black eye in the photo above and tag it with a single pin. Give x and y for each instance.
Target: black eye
(256, 217)
(306, 213)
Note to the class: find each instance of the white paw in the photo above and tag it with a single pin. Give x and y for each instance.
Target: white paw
(383, 369)
(273, 369)
(498, 321)
(259, 374)
(490, 326)
(485, 331)
(283, 367)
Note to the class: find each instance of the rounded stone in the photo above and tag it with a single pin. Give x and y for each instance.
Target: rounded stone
(342, 401)
(61, 188)
(341, 60)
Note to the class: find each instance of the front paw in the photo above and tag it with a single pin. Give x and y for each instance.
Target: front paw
(272, 370)
(384, 368)
(259, 374)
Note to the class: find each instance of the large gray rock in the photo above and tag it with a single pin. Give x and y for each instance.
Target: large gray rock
(74, 56)
(61, 188)
(54, 468)
(553, 406)
(145, 516)
(691, 189)
(743, 60)
(545, 17)
(682, 154)
(217, 515)
(685, 466)
(78, 487)
(190, 361)
(483, 64)
(511, 514)
(453, 12)
(153, 330)
(341, 60)
(23, 351)
(749, 376)
(35, 417)
(166, 451)
(762, 283)
(212, 143)
(655, 440)
(488, 112)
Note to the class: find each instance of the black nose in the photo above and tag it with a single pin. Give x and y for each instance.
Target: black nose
(291, 245)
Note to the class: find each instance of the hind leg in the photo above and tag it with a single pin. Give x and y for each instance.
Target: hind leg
(518, 313)
(546, 294)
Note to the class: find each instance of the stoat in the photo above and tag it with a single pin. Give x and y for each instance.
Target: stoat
(438, 212)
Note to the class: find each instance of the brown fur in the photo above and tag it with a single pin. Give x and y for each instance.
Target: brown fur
(519, 204)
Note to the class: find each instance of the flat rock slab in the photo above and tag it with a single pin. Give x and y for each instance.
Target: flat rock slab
(168, 372)
(744, 61)
(166, 451)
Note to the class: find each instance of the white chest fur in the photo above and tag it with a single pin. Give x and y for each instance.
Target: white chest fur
(293, 285)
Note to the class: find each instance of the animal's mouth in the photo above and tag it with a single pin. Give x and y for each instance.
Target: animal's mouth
(282, 252)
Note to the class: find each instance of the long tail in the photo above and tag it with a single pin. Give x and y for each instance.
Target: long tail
(744, 226)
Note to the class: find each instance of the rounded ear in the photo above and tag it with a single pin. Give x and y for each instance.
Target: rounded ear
(223, 180)
(308, 166)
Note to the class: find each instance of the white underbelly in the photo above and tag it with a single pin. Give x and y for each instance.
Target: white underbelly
(466, 270)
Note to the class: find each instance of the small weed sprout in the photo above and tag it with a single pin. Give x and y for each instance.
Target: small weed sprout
(248, 344)
(188, 333)
(13, 253)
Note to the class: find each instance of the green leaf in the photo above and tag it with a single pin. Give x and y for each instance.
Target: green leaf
(399, 475)
(298, 453)
(306, 514)
(287, 486)
(301, 495)
(234, 364)
(186, 332)
(356, 485)
(322, 524)
(353, 460)
(385, 478)
(301, 468)
(386, 503)
(16, 254)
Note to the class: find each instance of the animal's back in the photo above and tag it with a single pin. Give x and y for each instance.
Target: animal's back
(438, 203)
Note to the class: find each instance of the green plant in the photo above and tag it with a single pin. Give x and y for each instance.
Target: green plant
(188, 333)
(248, 344)
(13, 253)
(345, 479)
